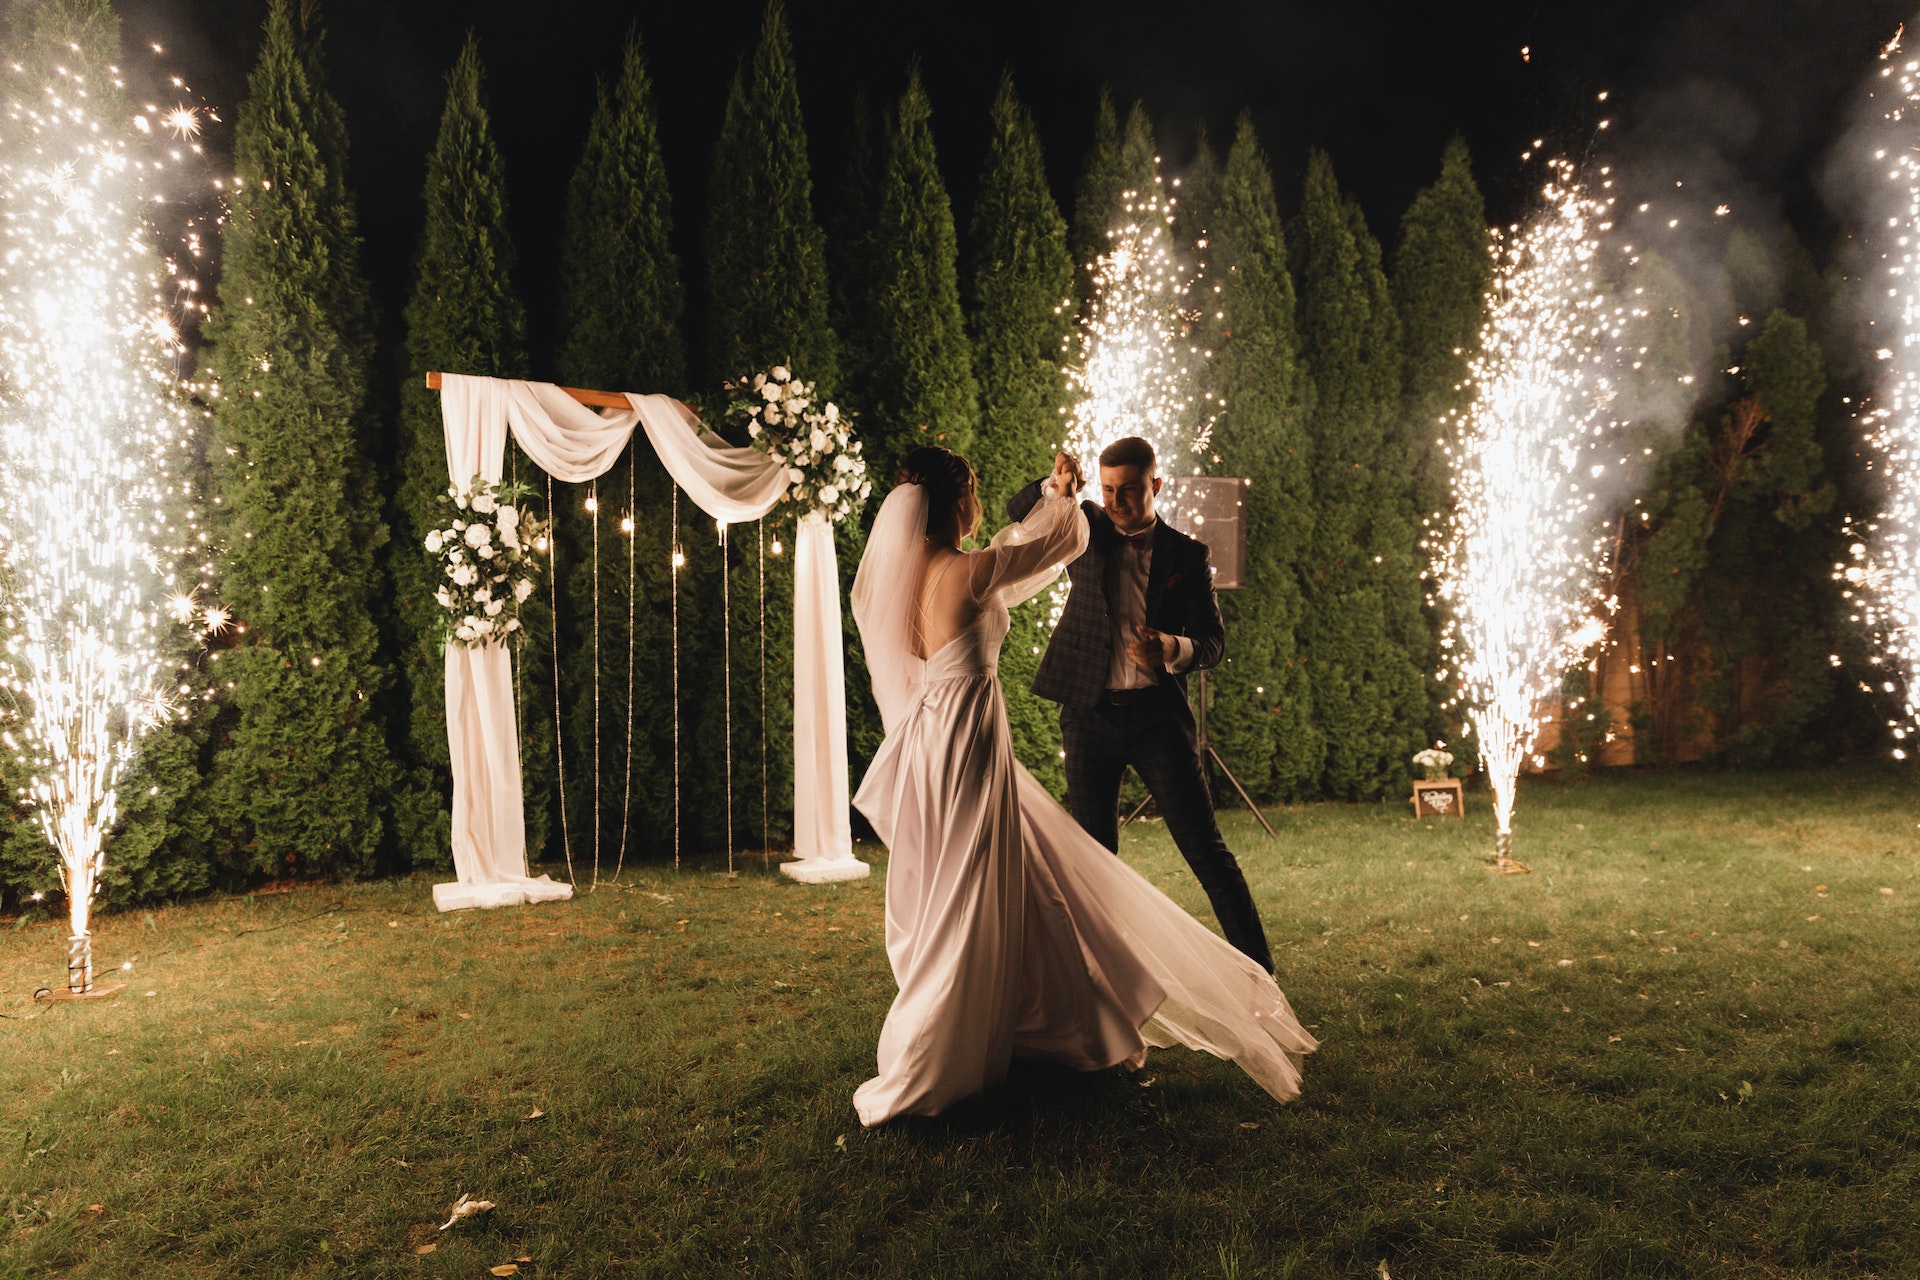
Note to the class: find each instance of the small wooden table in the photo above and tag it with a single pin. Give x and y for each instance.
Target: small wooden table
(1442, 799)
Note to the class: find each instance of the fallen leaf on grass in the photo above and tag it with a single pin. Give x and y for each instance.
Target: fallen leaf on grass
(1148, 1082)
(1613, 1039)
(1819, 888)
(841, 1142)
(660, 897)
(465, 1207)
(504, 1269)
(421, 1251)
(1249, 1124)
(96, 1208)
(1887, 890)
(536, 1114)
(1813, 917)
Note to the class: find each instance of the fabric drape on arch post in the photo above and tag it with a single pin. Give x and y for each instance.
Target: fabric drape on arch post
(575, 444)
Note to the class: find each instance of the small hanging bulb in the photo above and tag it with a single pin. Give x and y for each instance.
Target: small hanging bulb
(626, 524)
(776, 546)
(593, 504)
(679, 560)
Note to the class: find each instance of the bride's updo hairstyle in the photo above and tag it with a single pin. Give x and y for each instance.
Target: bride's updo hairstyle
(953, 509)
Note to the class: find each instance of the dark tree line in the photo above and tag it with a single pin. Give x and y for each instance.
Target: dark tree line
(1338, 365)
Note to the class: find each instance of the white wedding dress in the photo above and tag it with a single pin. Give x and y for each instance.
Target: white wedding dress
(1009, 928)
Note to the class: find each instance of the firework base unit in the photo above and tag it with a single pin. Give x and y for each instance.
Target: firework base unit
(1442, 799)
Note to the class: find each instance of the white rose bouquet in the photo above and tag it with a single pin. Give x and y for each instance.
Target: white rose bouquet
(486, 551)
(815, 442)
(1434, 763)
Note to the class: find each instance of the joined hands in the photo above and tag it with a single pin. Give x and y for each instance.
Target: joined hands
(1066, 475)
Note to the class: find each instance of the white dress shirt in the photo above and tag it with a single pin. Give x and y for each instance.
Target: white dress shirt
(1128, 570)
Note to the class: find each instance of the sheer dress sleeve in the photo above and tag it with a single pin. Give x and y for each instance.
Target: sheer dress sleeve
(1025, 558)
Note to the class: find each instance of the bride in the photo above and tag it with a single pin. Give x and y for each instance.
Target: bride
(1009, 928)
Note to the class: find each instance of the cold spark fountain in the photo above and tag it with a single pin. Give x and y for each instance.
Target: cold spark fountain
(1884, 576)
(1131, 364)
(1520, 576)
(93, 434)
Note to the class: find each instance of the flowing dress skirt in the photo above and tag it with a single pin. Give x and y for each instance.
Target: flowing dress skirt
(1011, 930)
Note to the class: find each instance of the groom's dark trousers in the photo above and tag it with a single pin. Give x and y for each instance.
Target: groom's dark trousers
(1152, 729)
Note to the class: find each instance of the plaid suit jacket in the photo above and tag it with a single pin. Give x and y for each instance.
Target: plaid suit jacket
(1180, 601)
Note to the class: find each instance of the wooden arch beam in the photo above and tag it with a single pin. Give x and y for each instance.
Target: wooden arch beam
(593, 399)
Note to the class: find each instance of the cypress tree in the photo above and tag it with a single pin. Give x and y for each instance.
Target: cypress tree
(463, 317)
(852, 253)
(1020, 307)
(1263, 717)
(303, 773)
(1198, 195)
(1367, 691)
(767, 304)
(923, 386)
(766, 254)
(622, 304)
(1440, 275)
(1122, 159)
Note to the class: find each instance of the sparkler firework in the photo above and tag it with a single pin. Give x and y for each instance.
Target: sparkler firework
(94, 499)
(1519, 576)
(1130, 368)
(1884, 576)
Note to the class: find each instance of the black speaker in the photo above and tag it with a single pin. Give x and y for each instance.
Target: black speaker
(1211, 509)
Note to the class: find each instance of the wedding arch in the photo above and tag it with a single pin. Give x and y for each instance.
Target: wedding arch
(576, 436)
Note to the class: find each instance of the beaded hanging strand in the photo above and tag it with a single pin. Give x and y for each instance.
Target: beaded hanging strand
(675, 562)
(628, 526)
(553, 629)
(593, 509)
(760, 537)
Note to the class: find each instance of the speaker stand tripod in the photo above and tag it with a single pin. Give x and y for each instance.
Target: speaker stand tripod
(1203, 745)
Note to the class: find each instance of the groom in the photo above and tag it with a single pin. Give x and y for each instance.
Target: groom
(1140, 616)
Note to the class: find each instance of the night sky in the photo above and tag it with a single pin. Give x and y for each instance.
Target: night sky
(1749, 95)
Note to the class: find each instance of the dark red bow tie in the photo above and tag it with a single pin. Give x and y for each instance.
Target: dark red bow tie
(1138, 541)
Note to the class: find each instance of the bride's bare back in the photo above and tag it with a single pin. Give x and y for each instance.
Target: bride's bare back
(951, 602)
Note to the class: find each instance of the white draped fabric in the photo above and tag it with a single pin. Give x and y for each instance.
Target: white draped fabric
(574, 443)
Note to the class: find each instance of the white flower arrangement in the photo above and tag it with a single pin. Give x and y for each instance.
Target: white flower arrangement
(825, 471)
(1433, 762)
(487, 553)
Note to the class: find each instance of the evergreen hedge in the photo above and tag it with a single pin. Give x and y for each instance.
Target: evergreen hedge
(302, 774)
(621, 306)
(1020, 301)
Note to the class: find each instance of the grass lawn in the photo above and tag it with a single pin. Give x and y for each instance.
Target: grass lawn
(1685, 1046)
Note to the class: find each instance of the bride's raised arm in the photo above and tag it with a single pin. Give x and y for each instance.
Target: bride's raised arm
(1025, 557)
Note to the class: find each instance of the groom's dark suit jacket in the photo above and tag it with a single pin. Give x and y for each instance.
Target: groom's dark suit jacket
(1180, 601)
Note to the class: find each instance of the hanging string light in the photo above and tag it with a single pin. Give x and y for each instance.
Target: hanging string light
(627, 527)
(553, 629)
(726, 677)
(593, 510)
(760, 561)
(677, 560)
